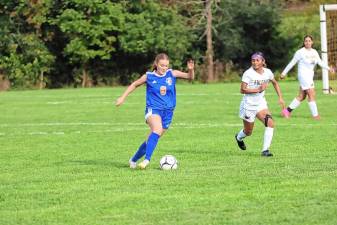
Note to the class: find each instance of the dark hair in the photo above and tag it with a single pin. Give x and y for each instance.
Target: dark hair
(305, 37)
(159, 57)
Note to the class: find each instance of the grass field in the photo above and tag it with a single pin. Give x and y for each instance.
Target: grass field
(64, 160)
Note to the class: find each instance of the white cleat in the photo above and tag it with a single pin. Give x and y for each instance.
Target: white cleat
(132, 164)
(144, 164)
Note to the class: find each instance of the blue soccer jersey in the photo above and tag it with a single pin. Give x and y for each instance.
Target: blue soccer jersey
(160, 90)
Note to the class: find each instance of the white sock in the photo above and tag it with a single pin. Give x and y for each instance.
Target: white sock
(313, 108)
(241, 135)
(268, 136)
(294, 104)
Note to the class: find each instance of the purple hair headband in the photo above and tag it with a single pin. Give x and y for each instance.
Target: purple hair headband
(257, 55)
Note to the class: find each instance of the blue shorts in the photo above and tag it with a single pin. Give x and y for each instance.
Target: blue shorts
(166, 115)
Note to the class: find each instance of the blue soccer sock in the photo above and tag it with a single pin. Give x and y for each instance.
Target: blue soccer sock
(140, 152)
(151, 145)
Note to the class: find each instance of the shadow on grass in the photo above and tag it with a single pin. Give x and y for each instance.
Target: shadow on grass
(98, 162)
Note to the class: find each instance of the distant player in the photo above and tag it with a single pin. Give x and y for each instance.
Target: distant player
(307, 58)
(254, 105)
(160, 103)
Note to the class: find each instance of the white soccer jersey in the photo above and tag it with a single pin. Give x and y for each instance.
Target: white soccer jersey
(307, 60)
(255, 80)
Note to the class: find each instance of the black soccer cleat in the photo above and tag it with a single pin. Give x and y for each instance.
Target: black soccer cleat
(266, 153)
(241, 144)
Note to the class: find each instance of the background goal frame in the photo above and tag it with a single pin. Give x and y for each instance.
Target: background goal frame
(324, 43)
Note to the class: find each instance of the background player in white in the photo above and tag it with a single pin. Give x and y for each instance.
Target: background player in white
(307, 58)
(254, 82)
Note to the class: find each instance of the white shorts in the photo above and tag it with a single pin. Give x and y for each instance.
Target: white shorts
(306, 83)
(248, 113)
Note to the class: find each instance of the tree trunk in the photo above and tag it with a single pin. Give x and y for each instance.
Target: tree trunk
(41, 84)
(209, 51)
(4, 83)
(85, 77)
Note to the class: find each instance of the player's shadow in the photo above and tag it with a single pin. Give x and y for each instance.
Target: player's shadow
(98, 162)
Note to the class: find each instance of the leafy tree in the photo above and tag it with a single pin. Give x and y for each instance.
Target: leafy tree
(150, 28)
(24, 57)
(239, 27)
(243, 27)
(91, 29)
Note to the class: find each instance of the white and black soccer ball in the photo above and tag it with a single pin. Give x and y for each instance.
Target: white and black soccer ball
(168, 162)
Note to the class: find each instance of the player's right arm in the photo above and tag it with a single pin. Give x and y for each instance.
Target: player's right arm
(130, 89)
(246, 90)
(291, 64)
(244, 85)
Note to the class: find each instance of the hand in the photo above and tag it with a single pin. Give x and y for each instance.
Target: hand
(332, 70)
(263, 87)
(190, 64)
(119, 101)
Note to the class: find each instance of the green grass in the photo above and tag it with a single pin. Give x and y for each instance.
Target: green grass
(64, 154)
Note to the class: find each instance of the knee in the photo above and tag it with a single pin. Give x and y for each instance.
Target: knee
(158, 131)
(311, 98)
(301, 97)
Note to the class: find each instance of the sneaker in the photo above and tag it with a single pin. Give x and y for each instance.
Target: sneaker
(266, 153)
(316, 117)
(285, 113)
(132, 164)
(241, 144)
(144, 164)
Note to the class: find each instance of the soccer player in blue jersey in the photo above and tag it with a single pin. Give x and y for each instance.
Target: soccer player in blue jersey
(160, 103)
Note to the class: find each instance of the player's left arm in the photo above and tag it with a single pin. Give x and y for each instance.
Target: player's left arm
(189, 75)
(278, 91)
(323, 65)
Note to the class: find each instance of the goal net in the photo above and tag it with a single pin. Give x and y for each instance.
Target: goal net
(328, 17)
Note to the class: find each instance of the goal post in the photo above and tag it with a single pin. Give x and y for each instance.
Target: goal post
(323, 9)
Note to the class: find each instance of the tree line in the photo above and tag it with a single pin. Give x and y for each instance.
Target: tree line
(56, 43)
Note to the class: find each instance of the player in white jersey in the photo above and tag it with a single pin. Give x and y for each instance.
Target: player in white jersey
(254, 105)
(307, 58)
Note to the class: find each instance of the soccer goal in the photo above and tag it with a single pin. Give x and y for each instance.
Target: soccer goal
(328, 17)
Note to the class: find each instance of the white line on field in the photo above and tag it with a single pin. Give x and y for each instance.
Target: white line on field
(143, 123)
(136, 127)
(37, 133)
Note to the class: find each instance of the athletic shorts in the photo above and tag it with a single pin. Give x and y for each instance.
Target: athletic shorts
(306, 83)
(248, 113)
(166, 115)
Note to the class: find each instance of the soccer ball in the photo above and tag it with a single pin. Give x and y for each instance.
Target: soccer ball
(168, 162)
